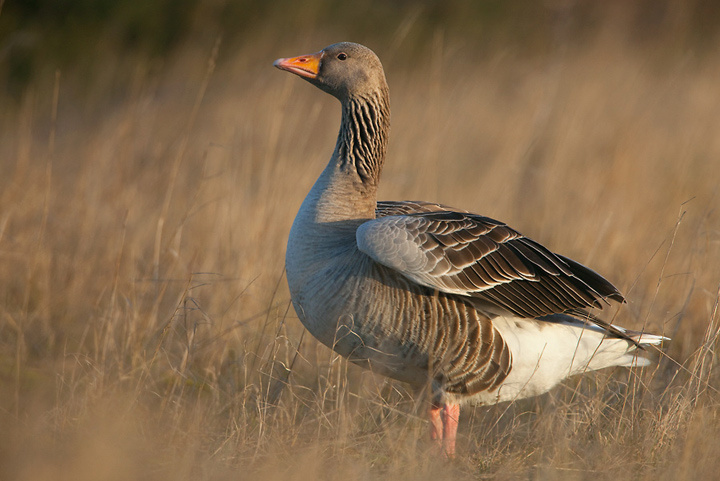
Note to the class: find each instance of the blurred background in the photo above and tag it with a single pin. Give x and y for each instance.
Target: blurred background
(152, 161)
(86, 37)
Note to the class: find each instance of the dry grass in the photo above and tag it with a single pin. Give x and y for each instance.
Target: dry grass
(145, 328)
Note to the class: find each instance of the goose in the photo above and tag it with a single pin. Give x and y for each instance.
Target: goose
(462, 307)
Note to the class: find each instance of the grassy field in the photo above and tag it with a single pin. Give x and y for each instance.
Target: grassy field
(145, 325)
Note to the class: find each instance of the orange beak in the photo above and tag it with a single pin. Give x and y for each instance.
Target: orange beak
(307, 66)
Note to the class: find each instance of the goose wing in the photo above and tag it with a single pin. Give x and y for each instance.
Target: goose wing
(470, 255)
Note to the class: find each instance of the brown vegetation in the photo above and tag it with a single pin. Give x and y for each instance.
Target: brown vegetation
(145, 326)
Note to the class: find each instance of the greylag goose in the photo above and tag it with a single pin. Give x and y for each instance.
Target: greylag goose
(437, 297)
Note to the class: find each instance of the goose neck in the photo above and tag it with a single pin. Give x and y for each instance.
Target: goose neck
(363, 137)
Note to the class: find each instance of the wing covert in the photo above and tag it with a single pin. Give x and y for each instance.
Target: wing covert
(466, 254)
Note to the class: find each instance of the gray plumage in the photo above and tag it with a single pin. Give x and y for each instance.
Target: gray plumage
(427, 294)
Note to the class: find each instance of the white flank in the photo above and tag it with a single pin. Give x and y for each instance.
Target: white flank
(544, 353)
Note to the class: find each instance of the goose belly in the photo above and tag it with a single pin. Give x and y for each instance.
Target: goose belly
(339, 305)
(383, 322)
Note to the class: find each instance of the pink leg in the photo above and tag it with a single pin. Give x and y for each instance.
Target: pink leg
(450, 417)
(436, 422)
(443, 426)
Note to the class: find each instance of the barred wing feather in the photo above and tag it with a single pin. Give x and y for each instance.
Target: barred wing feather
(470, 255)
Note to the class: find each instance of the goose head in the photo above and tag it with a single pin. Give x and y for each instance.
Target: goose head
(344, 70)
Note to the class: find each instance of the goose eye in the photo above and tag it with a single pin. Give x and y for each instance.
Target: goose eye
(342, 56)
